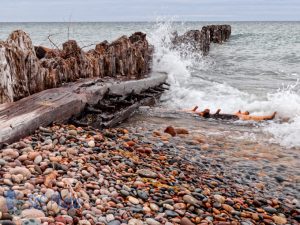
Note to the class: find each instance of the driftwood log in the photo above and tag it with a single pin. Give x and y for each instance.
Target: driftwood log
(23, 117)
(25, 69)
(199, 40)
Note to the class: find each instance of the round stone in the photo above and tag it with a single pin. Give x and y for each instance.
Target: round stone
(152, 221)
(135, 222)
(91, 144)
(171, 213)
(38, 159)
(53, 206)
(186, 221)
(147, 173)
(219, 198)
(32, 213)
(72, 132)
(124, 193)
(21, 170)
(154, 207)
(143, 195)
(270, 209)
(2, 162)
(3, 205)
(110, 217)
(190, 200)
(10, 153)
(114, 222)
(133, 200)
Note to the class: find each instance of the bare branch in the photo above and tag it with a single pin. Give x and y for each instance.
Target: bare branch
(69, 24)
(49, 38)
(86, 46)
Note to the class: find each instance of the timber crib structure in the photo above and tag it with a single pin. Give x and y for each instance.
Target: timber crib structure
(100, 87)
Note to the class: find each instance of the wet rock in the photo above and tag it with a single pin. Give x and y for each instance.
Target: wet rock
(181, 131)
(280, 179)
(170, 130)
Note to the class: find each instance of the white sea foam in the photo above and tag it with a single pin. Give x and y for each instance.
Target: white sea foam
(190, 86)
(244, 73)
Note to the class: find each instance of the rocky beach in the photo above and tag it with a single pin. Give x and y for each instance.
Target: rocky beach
(160, 166)
(132, 175)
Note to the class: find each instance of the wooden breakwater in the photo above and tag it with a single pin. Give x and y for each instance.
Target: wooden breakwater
(25, 69)
(200, 40)
(39, 85)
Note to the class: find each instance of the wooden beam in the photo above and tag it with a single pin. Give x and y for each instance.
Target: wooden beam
(21, 118)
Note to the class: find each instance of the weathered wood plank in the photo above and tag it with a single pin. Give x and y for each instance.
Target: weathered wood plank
(23, 117)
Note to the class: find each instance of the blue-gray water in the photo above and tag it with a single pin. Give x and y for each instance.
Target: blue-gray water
(257, 70)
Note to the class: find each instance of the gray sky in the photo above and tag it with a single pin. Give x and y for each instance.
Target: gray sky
(147, 10)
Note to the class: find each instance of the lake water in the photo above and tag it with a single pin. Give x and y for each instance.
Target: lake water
(256, 70)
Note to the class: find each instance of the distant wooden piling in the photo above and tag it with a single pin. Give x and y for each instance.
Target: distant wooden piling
(200, 40)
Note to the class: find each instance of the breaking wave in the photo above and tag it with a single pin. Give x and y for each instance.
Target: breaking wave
(193, 82)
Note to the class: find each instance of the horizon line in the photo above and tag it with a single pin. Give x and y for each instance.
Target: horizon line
(151, 21)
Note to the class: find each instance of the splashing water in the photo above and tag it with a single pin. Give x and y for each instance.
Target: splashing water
(244, 73)
(229, 80)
